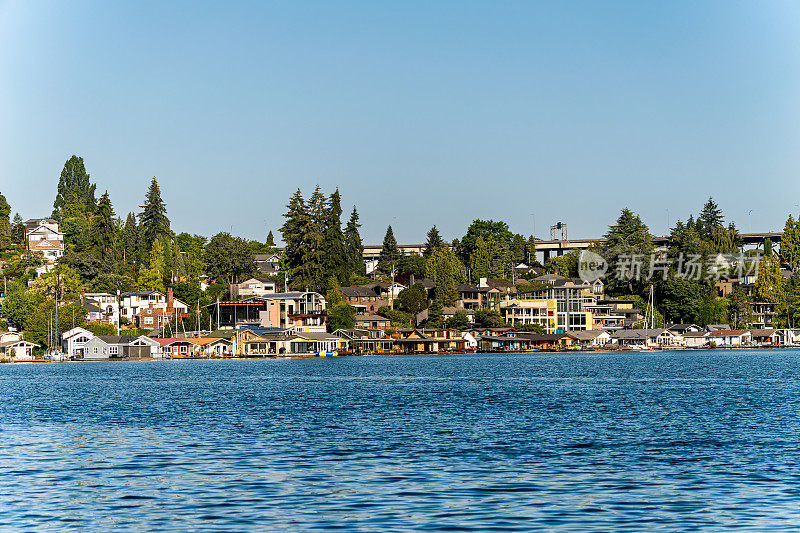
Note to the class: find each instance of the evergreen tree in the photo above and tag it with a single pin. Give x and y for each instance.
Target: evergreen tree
(130, 239)
(628, 238)
(390, 253)
(270, 240)
(790, 242)
(710, 218)
(292, 231)
(153, 218)
(5, 223)
(444, 267)
(433, 242)
(103, 234)
(336, 259)
(481, 262)
(74, 181)
(483, 228)
(18, 230)
(354, 246)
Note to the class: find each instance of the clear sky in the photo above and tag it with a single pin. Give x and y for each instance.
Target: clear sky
(421, 113)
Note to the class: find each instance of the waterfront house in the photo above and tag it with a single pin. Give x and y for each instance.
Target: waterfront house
(550, 341)
(503, 343)
(177, 348)
(73, 341)
(366, 340)
(594, 338)
(684, 328)
(429, 341)
(651, 338)
(730, 338)
(767, 337)
(267, 264)
(522, 311)
(695, 339)
(120, 346)
(367, 299)
(16, 349)
(212, 346)
(252, 287)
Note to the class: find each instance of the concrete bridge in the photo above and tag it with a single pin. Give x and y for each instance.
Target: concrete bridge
(558, 247)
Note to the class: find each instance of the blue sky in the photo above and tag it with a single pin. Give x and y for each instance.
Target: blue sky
(421, 113)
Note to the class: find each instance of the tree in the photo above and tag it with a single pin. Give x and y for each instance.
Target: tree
(483, 228)
(434, 241)
(353, 245)
(18, 230)
(229, 258)
(627, 240)
(74, 182)
(770, 282)
(459, 321)
(489, 319)
(130, 241)
(311, 271)
(103, 233)
(336, 258)
(153, 218)
(790, 242)
(5, 223)
(413, 299)
(58, 283)
(270, 240)
(444, 267)
(341, 316)
(42, 327)
(390, 253)
(710, 218)
(19, 304)
(293, 230)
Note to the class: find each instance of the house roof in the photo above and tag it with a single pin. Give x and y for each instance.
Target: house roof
(118, 339)
(45, 245)
(587, 335)
(545, 337)
(6, 344)
(371, 318)
(357, 291)
(172, 340)
(728, 333)
(763, 332)
(637, 333)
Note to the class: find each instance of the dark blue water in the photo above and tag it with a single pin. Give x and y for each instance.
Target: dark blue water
(667, 442)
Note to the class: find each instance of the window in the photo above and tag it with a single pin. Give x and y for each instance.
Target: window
(148, 320)
(184, 349)
(95, 350)
(114, 350)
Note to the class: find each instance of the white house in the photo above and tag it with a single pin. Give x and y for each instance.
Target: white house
(252, 287)
(730, 338)
(102, 307)
(695, 339)
(44, 235)
(134, 302)
(14, 348)
(592, 337)
(73, 341)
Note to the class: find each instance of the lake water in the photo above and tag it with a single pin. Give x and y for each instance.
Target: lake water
(674, 441)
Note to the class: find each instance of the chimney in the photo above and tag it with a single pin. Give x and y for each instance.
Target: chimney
(169, 300)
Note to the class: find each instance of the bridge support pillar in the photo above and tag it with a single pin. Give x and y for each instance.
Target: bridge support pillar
(546, 254)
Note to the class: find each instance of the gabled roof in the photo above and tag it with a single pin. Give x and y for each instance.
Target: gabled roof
(637, 333)
(588, 335)
(371, 318)
(728, 333)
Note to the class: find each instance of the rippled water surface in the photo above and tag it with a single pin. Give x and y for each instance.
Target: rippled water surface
(675, 441)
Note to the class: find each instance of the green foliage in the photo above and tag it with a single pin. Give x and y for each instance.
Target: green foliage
(740, 310)
(434, 241)
(399, 318)
(564, 265)
(446, 270)
(413, 299)
(270, 243)
(354, 246)
(100, 329)
(41, 326)
(5, 223)
(459, 321)
(336, 257)
(18, 230)
(103, 231)
(19, 304)
(627, 238)
(790, 241)
(334, 297)
(111, 283)
(487, 229)
(63, 279)
(341, 316)
(531, 328)
(229, 258)
(411, 265)
(75, 193)
(390, 253)
(153, 218)
(770, 286)
(489, 319)
(188, 292)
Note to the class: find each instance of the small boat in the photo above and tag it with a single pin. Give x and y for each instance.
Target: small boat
(640, 348)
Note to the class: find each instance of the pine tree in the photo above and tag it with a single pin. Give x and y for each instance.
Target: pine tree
(130, 238)
(74, 181)
(433, 242)
(293, 230)
(353, 245)
(311, 272)
(710, 218)
(153, 218)
(789, 241)
(18, 230)
(336, 257)
(390, 253)
(103, 234)
(270, 240)
(5, 224)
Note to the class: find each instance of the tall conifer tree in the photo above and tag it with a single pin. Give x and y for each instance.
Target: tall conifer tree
(153, 218)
